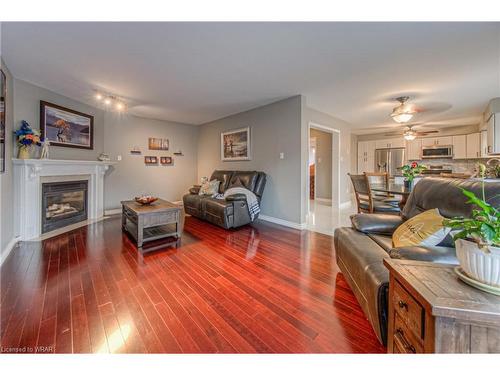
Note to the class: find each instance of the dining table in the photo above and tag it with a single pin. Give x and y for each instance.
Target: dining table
(394, 189)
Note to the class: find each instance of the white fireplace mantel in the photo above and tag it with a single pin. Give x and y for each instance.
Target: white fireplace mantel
(28, 175)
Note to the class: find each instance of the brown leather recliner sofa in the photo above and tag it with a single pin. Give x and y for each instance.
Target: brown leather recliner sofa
(360, 249)
(231, 212)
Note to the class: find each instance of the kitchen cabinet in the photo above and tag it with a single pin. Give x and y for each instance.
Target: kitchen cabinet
(459, 146)
(390, 143)
(366, 156)
(437, 141)
(493, 134)
(414, 149)
(484, 144)
(473, 146)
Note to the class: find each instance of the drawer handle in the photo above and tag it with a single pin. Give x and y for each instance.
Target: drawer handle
(403, 305)
(406, 345)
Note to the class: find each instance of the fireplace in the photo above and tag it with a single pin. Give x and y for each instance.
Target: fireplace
(63, 203)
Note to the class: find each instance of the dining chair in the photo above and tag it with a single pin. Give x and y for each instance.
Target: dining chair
(364, 198)
(381, 178)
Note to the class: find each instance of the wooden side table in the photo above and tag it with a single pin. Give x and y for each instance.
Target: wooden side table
(432, 311)
(158, 220)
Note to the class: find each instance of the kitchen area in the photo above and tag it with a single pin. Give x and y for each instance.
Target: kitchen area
(449, 152)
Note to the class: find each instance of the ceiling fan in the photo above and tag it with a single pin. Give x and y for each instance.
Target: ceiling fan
(409, 133)
(404, 112)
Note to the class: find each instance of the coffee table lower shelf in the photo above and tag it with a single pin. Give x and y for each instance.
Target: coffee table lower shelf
(153, 234)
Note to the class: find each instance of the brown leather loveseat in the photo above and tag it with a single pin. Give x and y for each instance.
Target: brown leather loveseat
(231, 212)
(360, 249)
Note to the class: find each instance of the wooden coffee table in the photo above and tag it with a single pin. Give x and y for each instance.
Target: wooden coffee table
(146, 223)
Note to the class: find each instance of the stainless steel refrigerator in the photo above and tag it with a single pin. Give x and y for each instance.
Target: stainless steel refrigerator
(389, 160)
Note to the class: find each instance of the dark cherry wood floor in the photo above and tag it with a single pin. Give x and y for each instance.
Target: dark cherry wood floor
(260, 289)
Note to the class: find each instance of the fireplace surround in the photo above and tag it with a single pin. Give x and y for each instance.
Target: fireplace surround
(31, 174)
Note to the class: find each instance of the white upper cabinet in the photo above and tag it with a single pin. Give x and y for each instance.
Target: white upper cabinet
(414, 149)
(390, 143)
(459, 146)
(366, 156)
(437, 141)
(473, 146)
(484, 144)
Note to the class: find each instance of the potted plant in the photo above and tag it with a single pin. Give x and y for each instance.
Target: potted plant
(410, 171)
(26, 138)
(477, 239)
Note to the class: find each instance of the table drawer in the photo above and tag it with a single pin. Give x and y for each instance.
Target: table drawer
(160, 218)
(130, 215)
(404, 340)
(410, 311)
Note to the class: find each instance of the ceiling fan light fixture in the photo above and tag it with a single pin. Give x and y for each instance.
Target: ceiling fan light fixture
(401, 118)
(403, 112)
(410, 136)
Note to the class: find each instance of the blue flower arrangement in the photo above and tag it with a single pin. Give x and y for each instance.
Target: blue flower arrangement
(27, 137)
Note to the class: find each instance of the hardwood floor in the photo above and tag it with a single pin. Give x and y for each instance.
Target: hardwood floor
(260, 289)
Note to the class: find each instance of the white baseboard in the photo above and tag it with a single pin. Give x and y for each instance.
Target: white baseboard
(10, 246)
(285, 223)
(325, 200)
(345, 204)
(114, 211)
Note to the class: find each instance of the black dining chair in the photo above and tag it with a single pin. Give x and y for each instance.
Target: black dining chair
(364, 197)
(383, 179)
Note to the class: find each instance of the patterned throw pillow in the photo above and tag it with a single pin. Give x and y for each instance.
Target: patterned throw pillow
(210, 188)
(425, 229)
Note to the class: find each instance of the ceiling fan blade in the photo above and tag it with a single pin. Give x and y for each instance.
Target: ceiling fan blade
(427, 132)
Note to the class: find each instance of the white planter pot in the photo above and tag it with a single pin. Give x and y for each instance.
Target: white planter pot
(478, 264)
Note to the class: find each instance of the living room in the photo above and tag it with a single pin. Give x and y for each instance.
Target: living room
(250, 187)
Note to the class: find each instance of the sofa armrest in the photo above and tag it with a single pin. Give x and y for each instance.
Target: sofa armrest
(376, 223)
(435, 254)
(195, 189)
(236, 197)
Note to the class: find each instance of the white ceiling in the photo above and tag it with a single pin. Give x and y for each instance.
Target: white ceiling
(198, 72)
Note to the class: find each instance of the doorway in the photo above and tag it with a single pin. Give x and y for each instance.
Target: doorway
(323, 180)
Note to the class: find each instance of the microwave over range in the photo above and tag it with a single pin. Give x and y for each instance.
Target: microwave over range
(437, 152)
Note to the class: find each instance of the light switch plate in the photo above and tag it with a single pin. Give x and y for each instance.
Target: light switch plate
(119, 158)
(282, 155)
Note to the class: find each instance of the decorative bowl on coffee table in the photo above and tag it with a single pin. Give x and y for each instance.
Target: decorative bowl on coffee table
(146, 199)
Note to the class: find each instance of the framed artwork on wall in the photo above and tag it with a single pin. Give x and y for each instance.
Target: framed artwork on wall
(166, 160)
(150, 160)
(235, 145)
(3, 109)
(65, 127)
(158, 144)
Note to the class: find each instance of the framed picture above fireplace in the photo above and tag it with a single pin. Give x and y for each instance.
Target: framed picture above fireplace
(65, 127)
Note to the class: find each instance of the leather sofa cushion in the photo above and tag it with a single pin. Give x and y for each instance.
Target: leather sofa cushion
(376, 223)
(445, 194)
(193, 201)
(218, 207)
(224, 177)
(385, 242)
(244, 179)
(435, 254)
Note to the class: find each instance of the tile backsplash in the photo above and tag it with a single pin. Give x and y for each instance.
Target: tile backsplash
(457, 166)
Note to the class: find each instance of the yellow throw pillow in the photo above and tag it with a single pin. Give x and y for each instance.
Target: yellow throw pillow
(425, 229)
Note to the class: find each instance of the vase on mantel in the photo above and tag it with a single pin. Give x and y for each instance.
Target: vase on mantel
(408, 184)
(24, 152)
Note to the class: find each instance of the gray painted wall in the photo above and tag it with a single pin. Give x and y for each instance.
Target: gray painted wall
(275, 128)
(346, 157)
(27, 107)
(131, 177)
(6, 179)
(323, 188)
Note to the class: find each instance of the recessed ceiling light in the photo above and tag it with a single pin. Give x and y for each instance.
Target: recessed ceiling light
(120, 106)
(107, 101)
(98, 96)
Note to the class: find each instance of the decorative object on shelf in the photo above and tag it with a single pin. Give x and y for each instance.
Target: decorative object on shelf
(65, 127)
(477, 239)
(44, 154)
(146, 199)
(166, 160)
(410, 171)
(110, 102)
(3, 109)
(150, 160)
(136, 151)
(160, 144)
(493, 168)
(179, 153)
(103, 157)
(235, 145)
(26, 139)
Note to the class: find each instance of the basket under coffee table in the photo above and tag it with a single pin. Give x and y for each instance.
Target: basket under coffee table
(152, 222)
